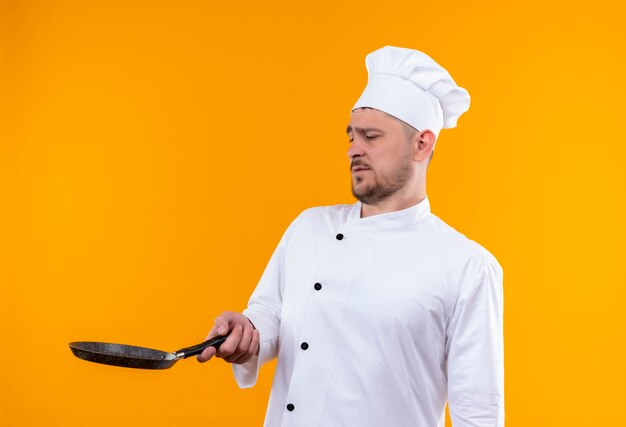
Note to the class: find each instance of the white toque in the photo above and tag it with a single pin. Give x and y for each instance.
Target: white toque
(412, 87)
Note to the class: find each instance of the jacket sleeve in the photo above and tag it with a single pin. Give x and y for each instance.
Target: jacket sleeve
(264, 311)
(475, 350)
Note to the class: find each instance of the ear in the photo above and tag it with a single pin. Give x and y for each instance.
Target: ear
(425, 142)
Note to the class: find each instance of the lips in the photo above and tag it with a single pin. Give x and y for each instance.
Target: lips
(359, 166)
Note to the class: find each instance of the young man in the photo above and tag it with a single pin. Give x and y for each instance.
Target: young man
(378, 311)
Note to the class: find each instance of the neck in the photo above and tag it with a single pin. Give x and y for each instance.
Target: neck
(394, 203)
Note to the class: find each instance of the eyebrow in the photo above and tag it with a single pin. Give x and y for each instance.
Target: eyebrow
(350, 129)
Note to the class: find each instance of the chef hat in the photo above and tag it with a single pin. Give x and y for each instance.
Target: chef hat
(412, 87)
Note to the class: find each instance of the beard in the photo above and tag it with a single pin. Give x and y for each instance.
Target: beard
(383, 186)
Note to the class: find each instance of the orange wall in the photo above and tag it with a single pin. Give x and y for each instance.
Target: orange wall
(152, 153)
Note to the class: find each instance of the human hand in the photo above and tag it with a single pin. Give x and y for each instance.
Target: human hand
(241, 344)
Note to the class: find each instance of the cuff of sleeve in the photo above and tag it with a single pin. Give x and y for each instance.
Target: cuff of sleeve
(246, 374)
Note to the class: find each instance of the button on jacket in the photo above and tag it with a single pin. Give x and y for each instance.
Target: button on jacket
(379, 321)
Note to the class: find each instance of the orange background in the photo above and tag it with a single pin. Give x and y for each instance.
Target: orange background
(152, 154)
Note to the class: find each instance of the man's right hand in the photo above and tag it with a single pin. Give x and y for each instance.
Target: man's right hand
(240, 346)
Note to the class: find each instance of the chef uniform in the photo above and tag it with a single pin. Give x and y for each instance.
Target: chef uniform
(379, 321)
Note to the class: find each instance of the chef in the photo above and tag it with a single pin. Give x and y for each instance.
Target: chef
(379, 312)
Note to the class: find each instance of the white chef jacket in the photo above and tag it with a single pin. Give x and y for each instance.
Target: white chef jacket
(378, 322)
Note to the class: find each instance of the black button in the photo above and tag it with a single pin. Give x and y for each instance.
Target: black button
(339, 236)
(317, 286)
(290, 407)
(304, 346)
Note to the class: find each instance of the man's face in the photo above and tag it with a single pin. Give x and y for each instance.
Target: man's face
(381, 160)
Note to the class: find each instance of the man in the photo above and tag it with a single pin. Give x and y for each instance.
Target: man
(378, 311)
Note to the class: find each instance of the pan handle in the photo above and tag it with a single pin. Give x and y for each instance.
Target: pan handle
(194, 350)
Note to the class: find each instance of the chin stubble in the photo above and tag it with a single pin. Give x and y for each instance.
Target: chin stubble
(385, 187)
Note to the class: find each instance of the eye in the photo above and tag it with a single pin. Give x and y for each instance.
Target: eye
(370, 137)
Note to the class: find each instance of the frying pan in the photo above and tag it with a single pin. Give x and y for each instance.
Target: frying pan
(130, 356)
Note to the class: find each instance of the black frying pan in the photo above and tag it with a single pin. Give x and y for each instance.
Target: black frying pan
(130, 356)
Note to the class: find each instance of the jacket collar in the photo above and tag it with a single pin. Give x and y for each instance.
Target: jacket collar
(390, 220)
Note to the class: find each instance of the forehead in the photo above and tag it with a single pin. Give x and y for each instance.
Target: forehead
(369, 117)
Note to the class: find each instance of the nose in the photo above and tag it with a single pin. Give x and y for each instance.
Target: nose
(356, 148)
